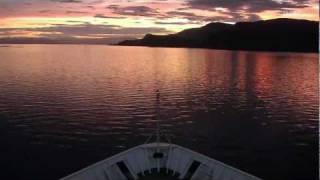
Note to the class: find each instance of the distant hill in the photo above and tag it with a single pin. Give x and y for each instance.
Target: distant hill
(65, 40)
(269, 35)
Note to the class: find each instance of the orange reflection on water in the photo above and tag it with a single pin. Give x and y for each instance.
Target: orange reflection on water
(130, 75)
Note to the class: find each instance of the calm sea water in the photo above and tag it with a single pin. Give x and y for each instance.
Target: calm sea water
(63, 107)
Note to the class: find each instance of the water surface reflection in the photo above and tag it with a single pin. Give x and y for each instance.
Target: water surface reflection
(63, 107)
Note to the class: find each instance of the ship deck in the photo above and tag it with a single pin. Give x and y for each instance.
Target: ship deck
(158, 176)
(143, 162)
(155, 175)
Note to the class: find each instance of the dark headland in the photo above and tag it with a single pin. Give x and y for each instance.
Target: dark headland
(269, 35)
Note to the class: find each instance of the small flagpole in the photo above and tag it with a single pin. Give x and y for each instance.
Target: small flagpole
(158, 117)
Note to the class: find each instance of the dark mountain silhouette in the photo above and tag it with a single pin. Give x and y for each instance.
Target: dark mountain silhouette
(269, 35)
(64, 40)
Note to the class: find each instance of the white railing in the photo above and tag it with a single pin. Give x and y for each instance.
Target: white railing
(175, 158)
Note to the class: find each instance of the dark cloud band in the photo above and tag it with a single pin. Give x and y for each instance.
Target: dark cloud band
(248, 5)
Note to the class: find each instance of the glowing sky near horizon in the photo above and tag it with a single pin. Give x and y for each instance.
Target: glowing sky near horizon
(121, 19)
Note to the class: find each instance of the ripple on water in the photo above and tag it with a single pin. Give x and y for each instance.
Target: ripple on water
(211, 101)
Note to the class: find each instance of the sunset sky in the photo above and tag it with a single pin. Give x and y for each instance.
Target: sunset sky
(115, 20)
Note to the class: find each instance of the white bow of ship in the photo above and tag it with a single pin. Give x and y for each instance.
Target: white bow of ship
(155, 158)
